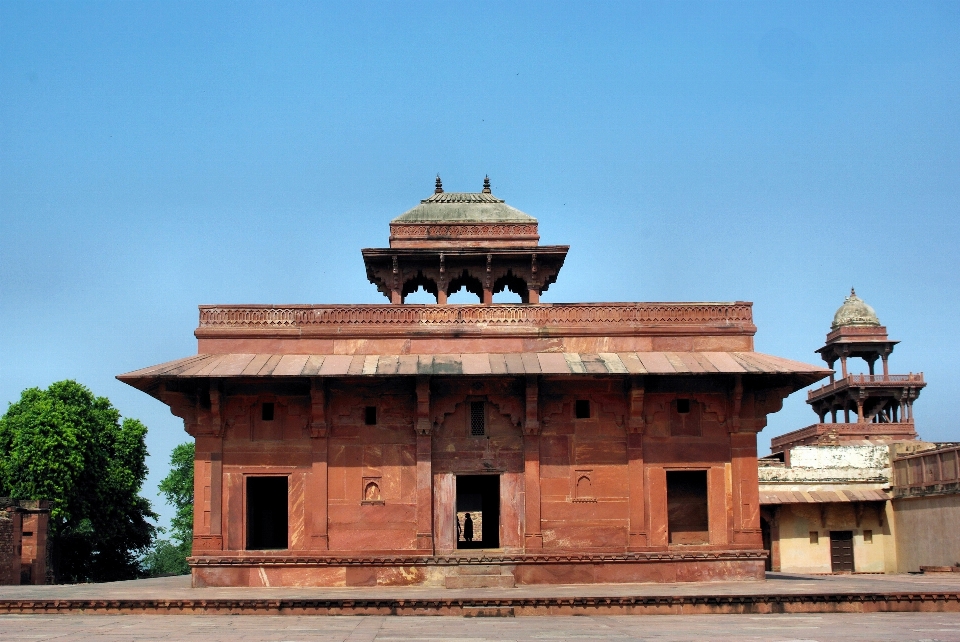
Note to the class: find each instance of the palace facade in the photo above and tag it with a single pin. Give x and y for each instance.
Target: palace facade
(586, 442)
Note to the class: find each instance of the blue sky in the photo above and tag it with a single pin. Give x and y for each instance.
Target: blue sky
(159, 155)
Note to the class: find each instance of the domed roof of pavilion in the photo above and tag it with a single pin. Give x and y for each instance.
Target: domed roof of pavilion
(855, 312)
(463, 207)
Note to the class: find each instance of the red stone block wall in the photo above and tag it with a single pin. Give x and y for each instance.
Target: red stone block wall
(9, 546)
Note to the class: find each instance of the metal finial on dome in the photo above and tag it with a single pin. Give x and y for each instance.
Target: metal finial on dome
(852, 291)
(439, 188)
(486, 185)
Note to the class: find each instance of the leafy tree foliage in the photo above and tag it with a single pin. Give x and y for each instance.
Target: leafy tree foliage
(165, 558)
(68, 446)
(168, 558)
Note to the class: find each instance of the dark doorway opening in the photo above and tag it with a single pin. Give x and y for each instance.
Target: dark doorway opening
(687, 514)
(478, 511)
(841, 551)
(266, 513)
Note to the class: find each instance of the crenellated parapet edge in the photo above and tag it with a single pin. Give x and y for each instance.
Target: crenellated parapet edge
(736, 314)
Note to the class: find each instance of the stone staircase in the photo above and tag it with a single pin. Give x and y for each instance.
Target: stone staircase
(480, 576)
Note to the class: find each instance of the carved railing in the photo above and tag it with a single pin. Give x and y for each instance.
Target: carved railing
(252, 316)
(867, 380)
(927, 471)
(815, 432)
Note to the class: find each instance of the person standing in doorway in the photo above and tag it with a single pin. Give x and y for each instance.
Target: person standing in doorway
(467, 528)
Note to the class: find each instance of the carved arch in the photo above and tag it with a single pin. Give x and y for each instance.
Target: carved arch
(412, 284)
(514, 283)
(467, 281)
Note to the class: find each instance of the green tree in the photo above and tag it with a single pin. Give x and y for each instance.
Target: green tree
(68, 446)
(168, 558)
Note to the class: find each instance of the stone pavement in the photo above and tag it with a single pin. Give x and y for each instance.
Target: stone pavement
(777, 583)
(873, 627)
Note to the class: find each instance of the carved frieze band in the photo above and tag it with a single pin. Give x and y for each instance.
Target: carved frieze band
(504, 315)
(459, 560)
(462, 230)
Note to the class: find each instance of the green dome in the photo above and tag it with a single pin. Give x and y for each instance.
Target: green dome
(854, 311)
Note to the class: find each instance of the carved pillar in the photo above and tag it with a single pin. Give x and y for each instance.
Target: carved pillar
(534, 284)
(442, 282)
(318, 497)
(396, 293)
(843, 365)
(637, 535)
(886, 371)
(488, 282)
(533, 536)
(205, 425)
(424, 467)
(860, 419)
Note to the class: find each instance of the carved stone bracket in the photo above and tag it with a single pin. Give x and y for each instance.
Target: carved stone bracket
(423, 426)
(531, 424)
(635, 419)
(318, 409)
(737, 403)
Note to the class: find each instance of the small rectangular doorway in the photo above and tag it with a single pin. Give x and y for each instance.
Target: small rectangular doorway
(841, 551)
(478, 511)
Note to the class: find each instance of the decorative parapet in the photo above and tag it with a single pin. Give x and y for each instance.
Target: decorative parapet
(402, 234)
(730, 316)
(826, 434)
(868, 381)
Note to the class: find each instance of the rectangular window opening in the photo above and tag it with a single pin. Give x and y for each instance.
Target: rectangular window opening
(370, 416)
(581, 409)
(868, 537)
(478, 426)
(683, 406)
(266, 513)
(687, 509)
(28, 533)
(266, 411)
(814, 537)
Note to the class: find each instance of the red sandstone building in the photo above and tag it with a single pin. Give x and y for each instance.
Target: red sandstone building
(589, 442)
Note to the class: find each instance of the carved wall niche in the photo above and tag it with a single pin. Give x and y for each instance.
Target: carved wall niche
(372, 491)
(583, 486)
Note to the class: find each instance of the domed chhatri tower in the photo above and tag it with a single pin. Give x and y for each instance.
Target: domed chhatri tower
(880, 405)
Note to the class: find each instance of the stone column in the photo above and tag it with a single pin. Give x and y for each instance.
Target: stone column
(533, 535)
(424, 467)
(317, 497)
(637, 527)
(488, 282)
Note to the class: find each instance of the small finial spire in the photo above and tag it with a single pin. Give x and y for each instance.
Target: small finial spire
(439, 188)
(853, 292)
(486, 185)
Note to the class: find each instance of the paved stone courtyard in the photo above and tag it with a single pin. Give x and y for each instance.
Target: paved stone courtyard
(901, 627)
(840, 627)
(776, 583)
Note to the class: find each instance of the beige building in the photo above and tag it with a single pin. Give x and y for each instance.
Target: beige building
(825, 509)
(862, 495)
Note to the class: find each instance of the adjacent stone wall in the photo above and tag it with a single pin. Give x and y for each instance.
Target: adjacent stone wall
(926, 531)
(23, 541)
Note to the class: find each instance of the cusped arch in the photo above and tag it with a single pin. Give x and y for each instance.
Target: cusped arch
(413, 284)
(468, 282)
(514, 283)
